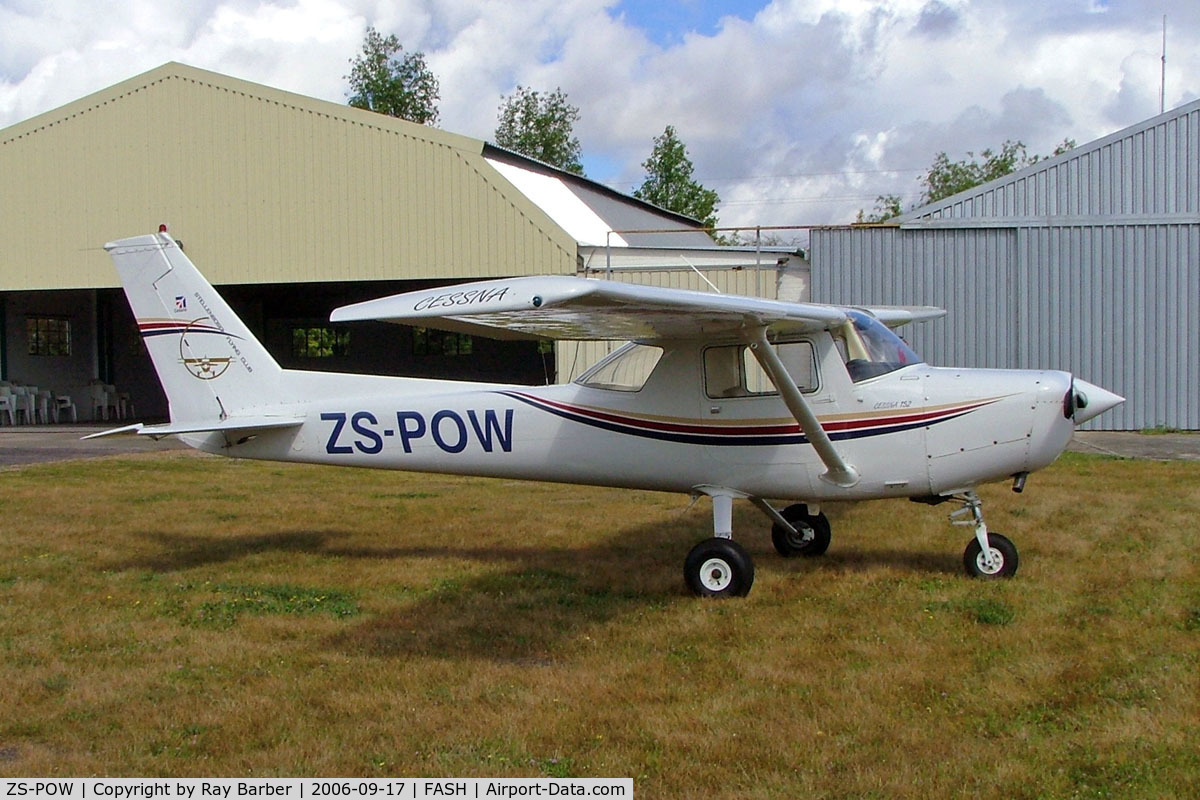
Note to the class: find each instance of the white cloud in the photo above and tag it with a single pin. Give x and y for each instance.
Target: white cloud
(801, 115)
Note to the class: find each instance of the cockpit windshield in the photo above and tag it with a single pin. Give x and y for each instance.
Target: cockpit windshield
(871, 349)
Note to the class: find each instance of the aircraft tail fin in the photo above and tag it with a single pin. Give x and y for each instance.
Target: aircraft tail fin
(209, 363)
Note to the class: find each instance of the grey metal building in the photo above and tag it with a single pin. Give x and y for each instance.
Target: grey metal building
(1087, 262)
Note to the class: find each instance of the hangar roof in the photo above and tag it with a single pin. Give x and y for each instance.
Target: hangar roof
(266, 186)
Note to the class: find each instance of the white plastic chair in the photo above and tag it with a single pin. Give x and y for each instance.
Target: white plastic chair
(7, 405)
(99, 401)
(24, 402)
(127, 411)
(64, 403)
(45, 406)
(114, 401)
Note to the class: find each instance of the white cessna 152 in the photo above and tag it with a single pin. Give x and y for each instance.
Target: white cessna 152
(730, 397)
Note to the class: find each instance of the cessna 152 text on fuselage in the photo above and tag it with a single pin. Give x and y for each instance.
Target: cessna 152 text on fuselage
(717, 395)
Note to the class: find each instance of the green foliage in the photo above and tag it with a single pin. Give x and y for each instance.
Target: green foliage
(386, 80)
(1191, 619)
(989, 611)
(1159, 430)
(886, 207)
(234, 600)
(669, 182)
(945, 177)
(540, 126)
(319, 341)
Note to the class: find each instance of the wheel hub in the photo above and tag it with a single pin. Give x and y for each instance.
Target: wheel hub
(716, 575)
(990, 561)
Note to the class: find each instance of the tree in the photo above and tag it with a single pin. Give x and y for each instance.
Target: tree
(669, 182)
(945, 177)
(385, 79)
(886, 207)
(540, 126)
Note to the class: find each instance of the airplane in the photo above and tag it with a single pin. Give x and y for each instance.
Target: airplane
(729, 397)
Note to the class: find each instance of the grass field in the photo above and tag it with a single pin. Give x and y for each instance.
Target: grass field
(181, 615)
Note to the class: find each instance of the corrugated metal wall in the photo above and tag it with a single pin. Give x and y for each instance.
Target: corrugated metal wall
(1118, 305)
(262, 186)
(969, 273)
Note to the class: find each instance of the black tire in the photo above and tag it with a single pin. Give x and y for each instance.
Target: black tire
(976, 568)
(719, 568)
(789, 544)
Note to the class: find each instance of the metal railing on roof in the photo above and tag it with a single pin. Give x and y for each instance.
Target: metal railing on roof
(714, 233)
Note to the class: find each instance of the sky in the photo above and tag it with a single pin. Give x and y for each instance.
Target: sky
(797, 112)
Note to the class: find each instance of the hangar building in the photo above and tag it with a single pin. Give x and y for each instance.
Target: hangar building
(293, 206)
(1087, 262)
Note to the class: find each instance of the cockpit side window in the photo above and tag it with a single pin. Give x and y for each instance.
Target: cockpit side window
(733, 371)
(870, 348)
(626, 370)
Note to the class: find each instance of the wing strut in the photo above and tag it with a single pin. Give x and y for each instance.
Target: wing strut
(838, 472)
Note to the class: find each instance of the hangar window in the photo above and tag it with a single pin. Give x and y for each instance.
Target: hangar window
(48, 336)
(319, 341)
(429, 342)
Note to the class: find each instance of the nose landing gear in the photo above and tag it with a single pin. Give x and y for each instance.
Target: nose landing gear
(988, 555)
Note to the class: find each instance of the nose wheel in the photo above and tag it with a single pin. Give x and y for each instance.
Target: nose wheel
(989, 556)
(999, 562)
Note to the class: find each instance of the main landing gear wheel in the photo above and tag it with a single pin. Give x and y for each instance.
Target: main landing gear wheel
(719, 568)
(789, 544)
(1002, 562)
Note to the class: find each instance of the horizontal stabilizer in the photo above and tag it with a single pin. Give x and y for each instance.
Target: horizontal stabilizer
(895, 316)
(264, 422)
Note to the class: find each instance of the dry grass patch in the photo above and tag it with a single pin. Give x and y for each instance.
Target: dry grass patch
(176, 614)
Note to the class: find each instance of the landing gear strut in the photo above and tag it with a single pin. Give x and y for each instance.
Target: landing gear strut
(988, 555)
(719, 567)
(806, 534)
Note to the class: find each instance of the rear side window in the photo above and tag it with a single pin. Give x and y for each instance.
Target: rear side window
(733, 371)
(626, 370)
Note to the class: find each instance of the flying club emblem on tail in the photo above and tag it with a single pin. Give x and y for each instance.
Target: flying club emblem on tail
(194, 344)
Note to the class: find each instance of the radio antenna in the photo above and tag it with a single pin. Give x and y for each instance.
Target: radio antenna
(1162, 94)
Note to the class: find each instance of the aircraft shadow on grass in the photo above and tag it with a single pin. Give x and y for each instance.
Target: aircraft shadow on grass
(535, 605)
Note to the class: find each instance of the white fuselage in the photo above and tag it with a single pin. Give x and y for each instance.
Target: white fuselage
(917, 431)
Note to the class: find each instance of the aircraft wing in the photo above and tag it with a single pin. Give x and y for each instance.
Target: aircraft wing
(564, 307)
